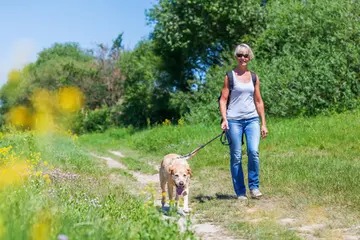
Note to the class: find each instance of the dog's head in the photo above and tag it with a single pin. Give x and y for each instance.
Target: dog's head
(180, 174)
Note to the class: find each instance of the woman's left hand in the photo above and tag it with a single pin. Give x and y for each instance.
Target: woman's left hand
(264, 131)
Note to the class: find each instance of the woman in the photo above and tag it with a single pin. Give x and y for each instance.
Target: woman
(243, 114)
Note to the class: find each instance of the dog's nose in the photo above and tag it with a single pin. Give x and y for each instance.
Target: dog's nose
(181, 183)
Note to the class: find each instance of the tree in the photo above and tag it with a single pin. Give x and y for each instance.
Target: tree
(109, 72)
(15, 91)
(190, 35)
(307, 58)
(145, 102)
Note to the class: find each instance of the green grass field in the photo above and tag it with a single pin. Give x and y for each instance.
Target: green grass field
(310, 171)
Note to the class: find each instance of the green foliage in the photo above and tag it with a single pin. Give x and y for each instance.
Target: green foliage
(190, 35)
(308, 57)
(145, 101)
(307, 60)
(68, 64)
(15, 90)
(97, 120)
(98, 78)
(61, 64)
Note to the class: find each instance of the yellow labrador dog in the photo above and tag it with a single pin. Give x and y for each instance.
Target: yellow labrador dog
(175, 172)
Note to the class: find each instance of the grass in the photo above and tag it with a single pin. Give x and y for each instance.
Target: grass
(309, 172)
(79, 201)
(309, 177)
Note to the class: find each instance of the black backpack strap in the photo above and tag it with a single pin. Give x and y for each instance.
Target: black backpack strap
(229, 74)
(253, 77)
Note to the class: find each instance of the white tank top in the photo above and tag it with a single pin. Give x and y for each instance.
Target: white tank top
(241, 102)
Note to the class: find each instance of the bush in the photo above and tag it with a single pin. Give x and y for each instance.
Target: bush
(308, 57)
(97, 120)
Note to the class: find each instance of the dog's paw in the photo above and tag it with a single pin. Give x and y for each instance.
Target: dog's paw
(187, 210)
(181, 212)
(165, 209)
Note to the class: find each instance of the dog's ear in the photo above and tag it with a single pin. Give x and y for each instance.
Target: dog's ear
(189, 172)
(170, 169)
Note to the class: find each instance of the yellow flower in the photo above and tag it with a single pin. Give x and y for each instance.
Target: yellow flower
(166, 122)
(19, 116)
(5, 150)
(70, 99)
(14, 174)
(40, 231)
(47, 178)
(42, 227)
(181, 122)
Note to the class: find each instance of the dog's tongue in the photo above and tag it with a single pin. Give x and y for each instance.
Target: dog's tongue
(179, 190)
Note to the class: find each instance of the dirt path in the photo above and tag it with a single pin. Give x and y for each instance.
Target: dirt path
(204, 230)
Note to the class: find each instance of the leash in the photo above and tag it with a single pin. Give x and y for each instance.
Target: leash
(223, 140)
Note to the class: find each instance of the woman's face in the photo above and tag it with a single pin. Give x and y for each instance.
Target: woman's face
(243, 56)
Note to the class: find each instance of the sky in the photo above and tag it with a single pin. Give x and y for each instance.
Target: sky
(28, 27)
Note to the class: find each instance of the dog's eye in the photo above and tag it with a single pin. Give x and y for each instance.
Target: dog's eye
(176, 175)
(184, 175)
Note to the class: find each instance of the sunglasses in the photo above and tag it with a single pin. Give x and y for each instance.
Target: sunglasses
(239, 55)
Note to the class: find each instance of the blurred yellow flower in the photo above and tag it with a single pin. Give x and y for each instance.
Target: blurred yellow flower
(70, 99)
(42, 226)
(19, 116)
(43, 101)
(40, 231)
(14, 174)
(44, 122)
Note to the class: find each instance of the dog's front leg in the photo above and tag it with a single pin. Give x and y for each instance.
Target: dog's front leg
(163, 192)
(186, 200)
(177, 200)
(171, 192)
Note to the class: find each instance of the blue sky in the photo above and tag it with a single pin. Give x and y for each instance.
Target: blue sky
(27, 27)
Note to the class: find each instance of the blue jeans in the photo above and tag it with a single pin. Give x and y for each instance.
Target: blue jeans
(251, 129)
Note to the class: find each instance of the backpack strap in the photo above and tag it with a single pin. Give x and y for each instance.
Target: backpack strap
(253, 77)
(230, 76)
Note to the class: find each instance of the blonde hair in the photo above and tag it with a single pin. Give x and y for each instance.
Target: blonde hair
(240, 49)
